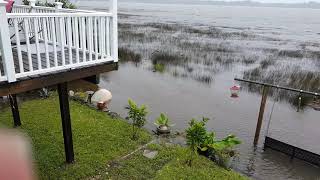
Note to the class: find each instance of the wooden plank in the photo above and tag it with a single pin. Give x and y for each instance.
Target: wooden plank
(55, 78)
(261, 113)
(66, 121)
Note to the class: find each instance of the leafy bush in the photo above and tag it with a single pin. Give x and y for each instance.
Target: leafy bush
(196, 136)
(138, 117)
(198, 139)
(162, 120)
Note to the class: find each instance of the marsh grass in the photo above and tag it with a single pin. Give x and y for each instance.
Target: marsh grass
(210, 50)
(293, 77)
(266, 63)
(167, 58)
(126, 55)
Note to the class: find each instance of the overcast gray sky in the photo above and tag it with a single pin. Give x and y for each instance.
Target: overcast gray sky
(282, 1)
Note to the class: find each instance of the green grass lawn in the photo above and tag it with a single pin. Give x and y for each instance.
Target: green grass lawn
(99, 142)
(97, 138)
(170, 163)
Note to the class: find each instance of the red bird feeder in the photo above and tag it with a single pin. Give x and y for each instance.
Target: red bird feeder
(235, 91)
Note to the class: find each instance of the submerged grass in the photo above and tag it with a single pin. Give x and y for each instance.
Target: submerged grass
(97, 138)
(167, 58)
(170, 163)
(210, 50)
(126, 55)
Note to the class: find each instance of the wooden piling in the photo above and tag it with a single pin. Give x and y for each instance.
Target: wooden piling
(261, 113)
(66, 122)
(15, 110)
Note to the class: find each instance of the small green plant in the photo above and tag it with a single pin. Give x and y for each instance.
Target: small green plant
(138, 117)
(221, 150)
(196, 136)
(162, 120)
(199, 140)
(158, 67)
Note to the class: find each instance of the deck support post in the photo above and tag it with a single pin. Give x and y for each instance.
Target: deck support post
(114, 29)
(15, 110)
(261, 113)
(66, 121)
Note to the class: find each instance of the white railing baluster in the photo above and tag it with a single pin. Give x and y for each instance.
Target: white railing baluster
(26, 30)
(69, 39)
(80, 31)
(108, 36)
(103, 37)
(36, 28)
(96, 37)
(62, 41)
(73, 31)
(100, 36)
(83, 28)
(54, 39)
(17, 35)
(77, 39)
(45, 33)
(90, 38)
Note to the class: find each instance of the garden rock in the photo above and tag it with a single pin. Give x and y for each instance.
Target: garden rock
(150, 154)
(101, 96)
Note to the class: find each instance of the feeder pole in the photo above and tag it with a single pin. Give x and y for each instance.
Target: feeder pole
(261, 113)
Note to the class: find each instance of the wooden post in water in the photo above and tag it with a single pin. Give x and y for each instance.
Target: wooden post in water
(66, 121)
(15, 110)
(261, 113)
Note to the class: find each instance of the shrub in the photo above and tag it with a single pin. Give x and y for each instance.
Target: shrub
(138, 116)
(196, 136)
(199, 140)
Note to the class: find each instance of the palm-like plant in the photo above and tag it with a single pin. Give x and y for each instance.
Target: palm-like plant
(162, 120)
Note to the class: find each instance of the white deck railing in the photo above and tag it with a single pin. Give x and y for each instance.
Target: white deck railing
(40, 40)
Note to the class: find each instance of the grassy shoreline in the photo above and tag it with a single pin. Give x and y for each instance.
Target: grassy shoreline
(97, 138)
(100, 141)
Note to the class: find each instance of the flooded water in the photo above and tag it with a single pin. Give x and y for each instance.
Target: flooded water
(183, 99)
(287, 39)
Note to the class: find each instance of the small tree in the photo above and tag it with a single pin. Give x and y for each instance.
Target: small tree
(138, 117)
(196, 136)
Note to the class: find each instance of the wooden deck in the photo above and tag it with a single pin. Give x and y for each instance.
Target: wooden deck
(56, 77)
(35, 64)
